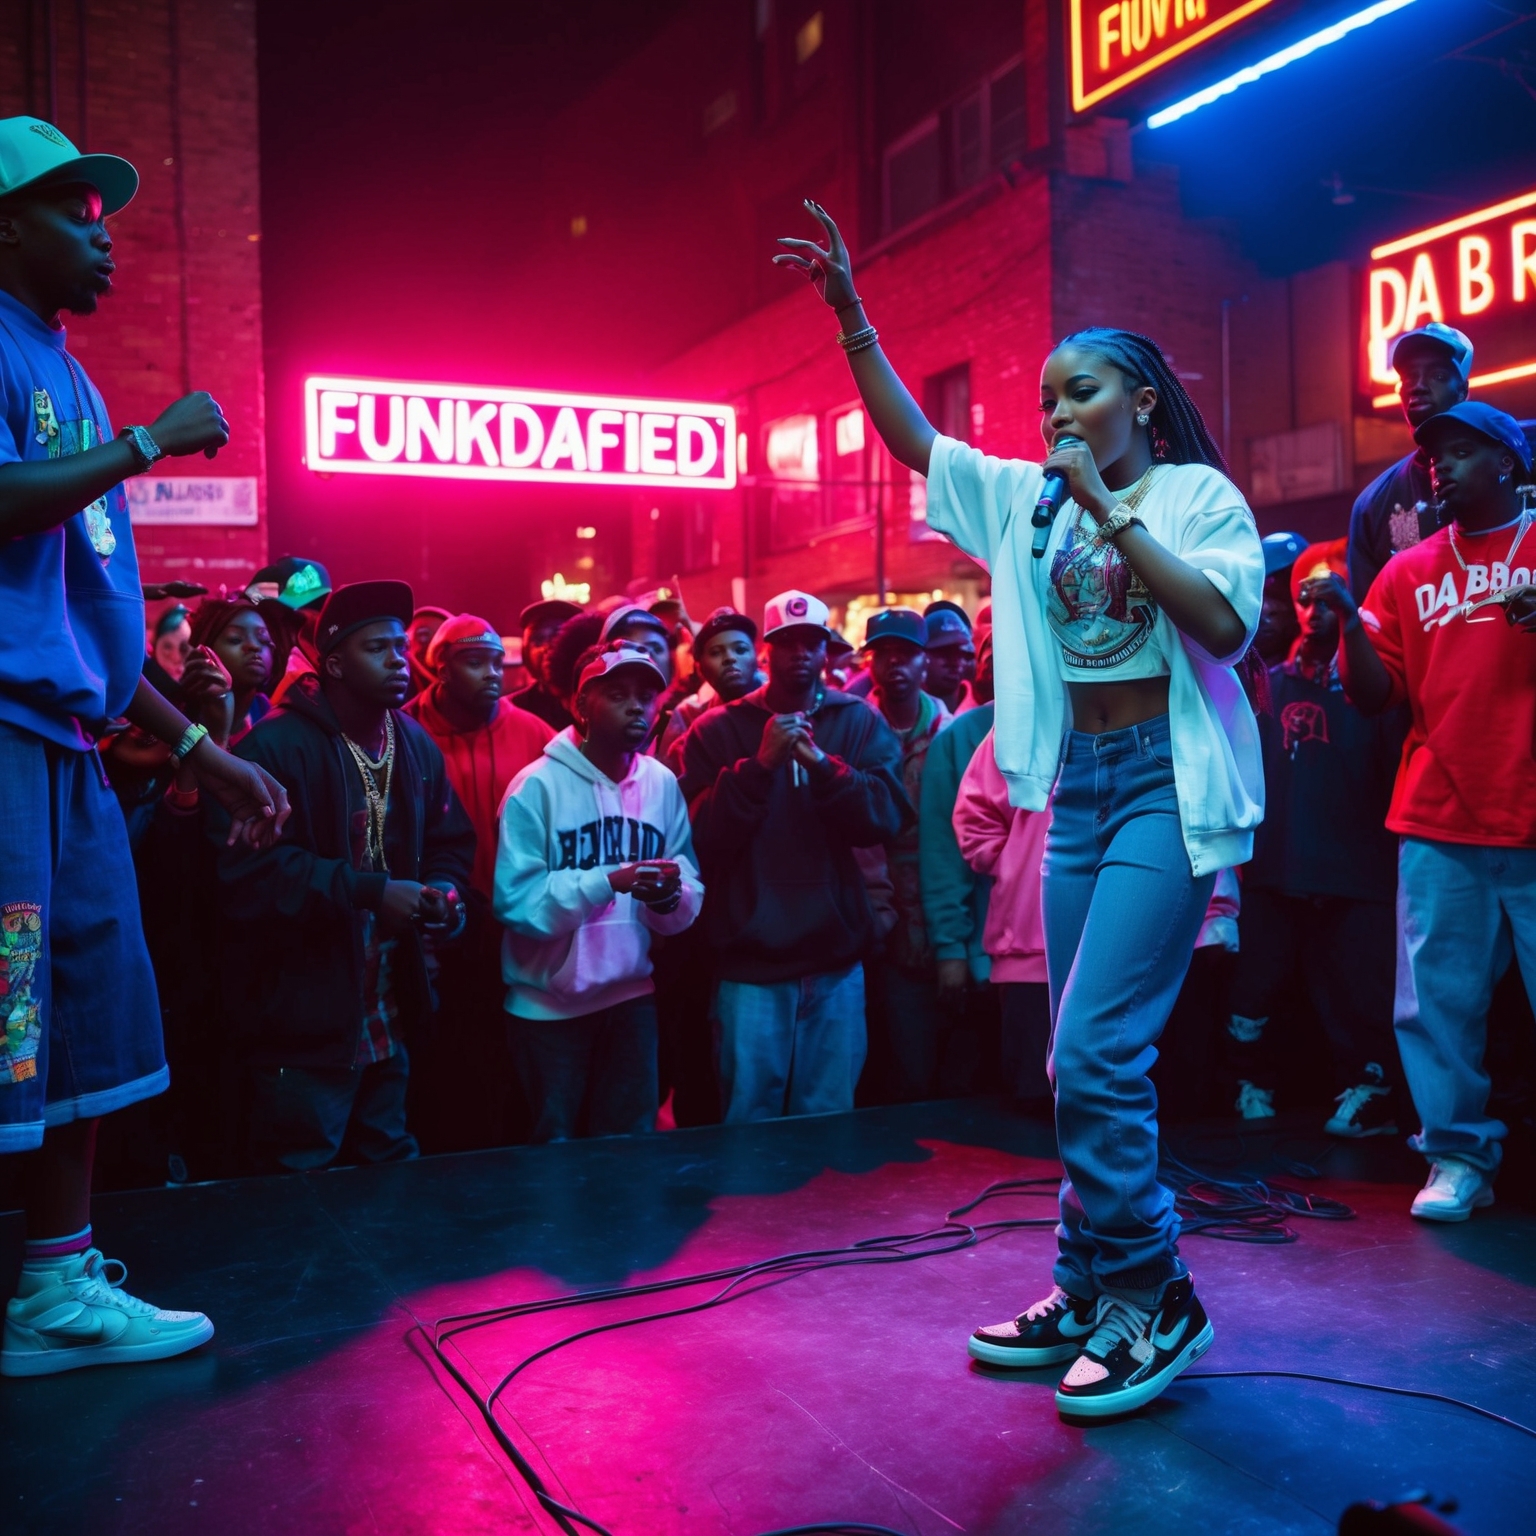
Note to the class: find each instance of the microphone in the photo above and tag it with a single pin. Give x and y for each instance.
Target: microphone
(1052, 494)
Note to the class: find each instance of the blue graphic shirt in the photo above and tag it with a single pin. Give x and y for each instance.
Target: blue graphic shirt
(72, 643)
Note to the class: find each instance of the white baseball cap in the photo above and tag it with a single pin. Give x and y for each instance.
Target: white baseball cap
(32, 151)
(622, 653)
(792, 610)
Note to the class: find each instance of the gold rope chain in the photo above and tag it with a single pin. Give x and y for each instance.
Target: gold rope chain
(378, 798)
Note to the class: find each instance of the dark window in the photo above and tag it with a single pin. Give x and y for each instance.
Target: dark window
(914, 175)
(947, 401)
(956, 148)
(685, 537)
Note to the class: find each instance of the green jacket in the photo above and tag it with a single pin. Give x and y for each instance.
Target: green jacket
(954, 895)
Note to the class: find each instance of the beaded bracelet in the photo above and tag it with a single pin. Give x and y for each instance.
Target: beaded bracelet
(858, 340)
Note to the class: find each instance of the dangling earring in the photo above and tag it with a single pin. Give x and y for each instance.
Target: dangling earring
(1503, 479)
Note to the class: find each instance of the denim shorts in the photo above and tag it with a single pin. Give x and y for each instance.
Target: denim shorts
(78, 1006)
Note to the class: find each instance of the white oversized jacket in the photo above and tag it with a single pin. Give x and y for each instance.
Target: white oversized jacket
(984, 505)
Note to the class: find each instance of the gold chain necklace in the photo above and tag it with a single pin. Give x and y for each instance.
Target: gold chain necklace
(377, 795)
(1509, 559)
(1132, 499)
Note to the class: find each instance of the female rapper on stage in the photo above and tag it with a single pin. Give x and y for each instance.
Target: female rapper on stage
(1117, 703)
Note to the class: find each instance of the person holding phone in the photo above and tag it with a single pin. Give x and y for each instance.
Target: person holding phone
(1127, 580)
(595, 857)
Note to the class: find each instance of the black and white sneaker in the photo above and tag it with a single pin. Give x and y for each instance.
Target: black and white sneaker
(1134, 1353)
(1050, 1332)
(1364, 1110)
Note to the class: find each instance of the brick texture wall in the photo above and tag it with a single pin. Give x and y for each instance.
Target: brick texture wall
(187, 310)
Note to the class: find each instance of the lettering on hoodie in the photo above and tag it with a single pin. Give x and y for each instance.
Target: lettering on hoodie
(610, 841)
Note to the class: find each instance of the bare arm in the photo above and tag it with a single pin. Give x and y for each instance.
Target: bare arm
(1366, 680)
(895, 415)
(256, 802)
(42, 493)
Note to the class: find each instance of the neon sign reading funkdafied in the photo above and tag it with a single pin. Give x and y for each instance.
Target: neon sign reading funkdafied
(469, 432)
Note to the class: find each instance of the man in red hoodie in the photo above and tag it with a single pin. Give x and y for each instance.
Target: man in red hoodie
(485, 739)
(463, 1093)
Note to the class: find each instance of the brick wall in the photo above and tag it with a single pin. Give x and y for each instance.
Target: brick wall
(173, 323)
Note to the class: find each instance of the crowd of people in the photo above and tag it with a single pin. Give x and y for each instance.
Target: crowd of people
(301, 856)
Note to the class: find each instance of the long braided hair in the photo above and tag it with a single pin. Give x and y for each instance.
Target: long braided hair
(1179, 436)
(1178, 430)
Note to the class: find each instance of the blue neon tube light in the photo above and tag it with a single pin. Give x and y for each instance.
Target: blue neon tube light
(1308, 45)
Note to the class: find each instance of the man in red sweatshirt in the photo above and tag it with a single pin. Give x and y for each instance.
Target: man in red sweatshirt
(485, 739)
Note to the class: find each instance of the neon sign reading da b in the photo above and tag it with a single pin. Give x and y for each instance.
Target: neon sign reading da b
(470, 432)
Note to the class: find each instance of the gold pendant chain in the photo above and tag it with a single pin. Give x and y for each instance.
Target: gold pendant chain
(1132, 499)
(371, 769)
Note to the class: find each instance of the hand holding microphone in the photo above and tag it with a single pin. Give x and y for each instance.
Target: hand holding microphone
(1052, 493)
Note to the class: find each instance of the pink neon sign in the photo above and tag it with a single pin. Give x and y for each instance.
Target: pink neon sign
(469, 432)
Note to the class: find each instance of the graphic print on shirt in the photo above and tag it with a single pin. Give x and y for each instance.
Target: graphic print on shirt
(21, 945)
(1439, 603)
(1098, 607)
(611, 841)
(1403, 527)
(1303, 721)
(63, 438)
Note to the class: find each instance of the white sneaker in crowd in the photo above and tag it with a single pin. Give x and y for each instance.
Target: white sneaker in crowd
(73, 1314)
(1254, 1103)
(1455, 1189)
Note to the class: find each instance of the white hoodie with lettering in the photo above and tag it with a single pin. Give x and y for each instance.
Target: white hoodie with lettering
(573, 945)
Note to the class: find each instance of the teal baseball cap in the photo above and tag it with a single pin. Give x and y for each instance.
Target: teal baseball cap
(32, 151)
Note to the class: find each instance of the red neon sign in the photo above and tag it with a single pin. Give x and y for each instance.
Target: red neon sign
(470, 432)
(1476, 272)
(1115, 43)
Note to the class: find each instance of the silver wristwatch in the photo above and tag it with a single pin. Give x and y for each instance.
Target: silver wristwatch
(145, 449)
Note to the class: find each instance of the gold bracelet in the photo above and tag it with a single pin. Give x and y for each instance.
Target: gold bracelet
(1116, 523)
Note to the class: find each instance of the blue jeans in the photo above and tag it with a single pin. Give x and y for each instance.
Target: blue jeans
(594, 1075)
(1122, 912)
(790, 1047)
(80, 1032)
(1464, 912)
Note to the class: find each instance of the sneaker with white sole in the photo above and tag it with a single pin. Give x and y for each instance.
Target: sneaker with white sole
(1454, 1190)
(77, 1314)
(1253, 1102)
(1135, 1353)
(1050, 1332)
(1365, 1110)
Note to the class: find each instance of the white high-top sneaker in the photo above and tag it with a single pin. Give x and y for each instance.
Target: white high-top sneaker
(65, 1317)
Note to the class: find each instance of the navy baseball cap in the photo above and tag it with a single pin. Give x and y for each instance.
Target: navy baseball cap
(1280, 552)
(1496, 425)
(897, 624)
(718, 623)
(946, 627)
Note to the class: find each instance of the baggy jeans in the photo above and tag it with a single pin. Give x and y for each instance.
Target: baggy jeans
(1464, 911)
(1122, 912)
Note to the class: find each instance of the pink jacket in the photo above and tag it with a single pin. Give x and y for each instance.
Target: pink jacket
(1007, 844)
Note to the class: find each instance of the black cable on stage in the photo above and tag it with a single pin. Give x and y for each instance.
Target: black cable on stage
(1243, 1211)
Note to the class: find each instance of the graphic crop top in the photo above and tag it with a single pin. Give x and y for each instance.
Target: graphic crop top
(1099, 611)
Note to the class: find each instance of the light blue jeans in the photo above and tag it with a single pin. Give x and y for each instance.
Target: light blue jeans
(1122, 913)
(790, 1047)
(1464, 912)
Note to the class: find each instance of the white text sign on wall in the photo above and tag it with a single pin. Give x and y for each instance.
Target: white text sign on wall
(470, 432)
(225, 502)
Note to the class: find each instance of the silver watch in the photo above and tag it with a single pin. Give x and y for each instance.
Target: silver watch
(145, 449)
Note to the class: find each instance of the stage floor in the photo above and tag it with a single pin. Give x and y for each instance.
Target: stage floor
(844, 1394)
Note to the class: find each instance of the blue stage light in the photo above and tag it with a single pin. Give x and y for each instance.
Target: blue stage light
(1307, 45)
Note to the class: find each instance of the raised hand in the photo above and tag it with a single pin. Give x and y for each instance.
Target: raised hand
(193, 424)
(827, 266)
(207, 693)
(1331, 592)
